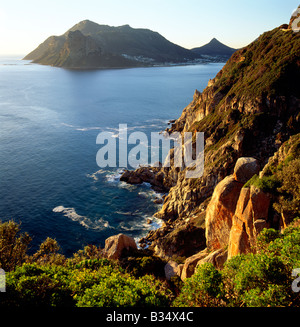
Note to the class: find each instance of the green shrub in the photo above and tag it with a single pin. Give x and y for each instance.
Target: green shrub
(252, 280)
(203, 289)
(101, 284)
(264, 278)
(266, 183)
(289, 200)
(143, 264)
(125, 291)
(35, 285)
(48, 252)
(265, 237)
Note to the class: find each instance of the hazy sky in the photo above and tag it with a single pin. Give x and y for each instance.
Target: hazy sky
(189, 23)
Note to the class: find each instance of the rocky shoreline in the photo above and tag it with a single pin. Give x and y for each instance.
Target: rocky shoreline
(251, 122)
(225, 225)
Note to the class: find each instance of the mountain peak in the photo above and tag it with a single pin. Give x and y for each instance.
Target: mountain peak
(87, 27)
(84, 23)
(215, 48)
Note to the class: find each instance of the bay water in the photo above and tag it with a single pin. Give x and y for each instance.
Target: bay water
(49, 121)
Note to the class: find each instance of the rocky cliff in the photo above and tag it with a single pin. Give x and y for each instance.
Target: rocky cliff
(249, 112)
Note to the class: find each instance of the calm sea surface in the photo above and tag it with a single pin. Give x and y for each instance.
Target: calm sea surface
(49, 121)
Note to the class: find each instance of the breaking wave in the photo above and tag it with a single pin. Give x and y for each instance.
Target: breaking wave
(94, 176)
(98, 224)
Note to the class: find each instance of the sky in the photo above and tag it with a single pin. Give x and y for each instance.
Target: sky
(188, 23)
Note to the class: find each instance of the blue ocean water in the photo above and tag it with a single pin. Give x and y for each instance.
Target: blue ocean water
(49, 121)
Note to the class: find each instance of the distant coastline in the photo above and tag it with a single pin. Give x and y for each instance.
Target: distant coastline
(88, 45)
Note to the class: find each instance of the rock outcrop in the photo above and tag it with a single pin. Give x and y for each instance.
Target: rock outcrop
(179, 239)
(220, 211)
(222, 206)
(245, 168)
(221, 223)
(117, 244)
(172, 269)
(160, 178)
(250, 217)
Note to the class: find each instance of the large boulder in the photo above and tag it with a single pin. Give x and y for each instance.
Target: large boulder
(250, 217)
(220, 211)
(190, 264)
(222, 207)
(217, 258)
(115, 245)
(245, 168)
(172, 269)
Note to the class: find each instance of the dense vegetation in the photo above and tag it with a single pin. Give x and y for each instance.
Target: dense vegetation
(261, 280)
(269, 65)
(281, 179)
(47, 278)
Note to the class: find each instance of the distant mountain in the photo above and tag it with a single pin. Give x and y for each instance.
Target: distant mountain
(215, 49)
(90, 45)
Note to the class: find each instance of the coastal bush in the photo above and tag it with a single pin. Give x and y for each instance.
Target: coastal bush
(36, 285)
(143, 264)
(203, 289)
(122, 290)
(87, 253)
(289, 176)
(258, 279)
(13, 245)
(266, 183)
(104, 285)
(255, 276)
(48, 252)
(263, 67)
(264, 278)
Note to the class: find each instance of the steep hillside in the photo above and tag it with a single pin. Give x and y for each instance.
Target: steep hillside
(90, 45)
(247, 111)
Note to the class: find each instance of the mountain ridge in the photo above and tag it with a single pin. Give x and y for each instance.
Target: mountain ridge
(91, 45)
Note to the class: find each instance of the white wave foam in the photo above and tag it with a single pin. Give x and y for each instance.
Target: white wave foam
(113, 177)
(71, 213)
(82, 129)
(125, 213)
(86, 129)
(148, 194)
(94, 175)
(129, 187)
(68, 125)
